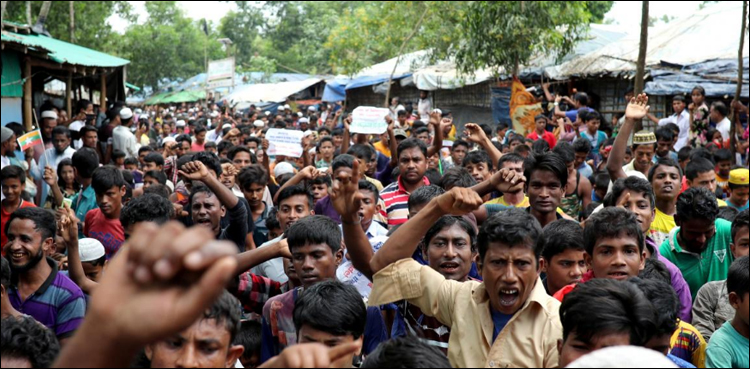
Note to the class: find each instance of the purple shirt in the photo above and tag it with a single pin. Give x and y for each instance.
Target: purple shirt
(325, 207)
(678, 283)
(58, 304)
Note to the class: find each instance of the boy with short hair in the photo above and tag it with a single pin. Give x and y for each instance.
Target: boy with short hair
(739, 189)
(315, 245)
(253, 181)
(723, 159)
(700, 245)
(249, 338)
(14, 185)
(729, 345)
(593, 121)
(479, 164)
(103, 224)
(208, 342)
(701, 173)
(563, 260)
(614, 244)
(604, 313)
(541, 133)
(664, 145)
(331, 313)
(712, 307)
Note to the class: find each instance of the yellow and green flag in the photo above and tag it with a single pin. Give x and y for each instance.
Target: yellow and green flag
(30, 139)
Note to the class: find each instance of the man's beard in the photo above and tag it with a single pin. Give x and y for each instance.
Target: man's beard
(30, 265)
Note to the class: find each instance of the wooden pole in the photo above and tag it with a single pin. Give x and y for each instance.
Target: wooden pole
(641, 66)
(103, 95)
(69, 94)
(27, 95)
(738, 91)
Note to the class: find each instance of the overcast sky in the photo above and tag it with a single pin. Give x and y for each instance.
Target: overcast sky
(624, 13)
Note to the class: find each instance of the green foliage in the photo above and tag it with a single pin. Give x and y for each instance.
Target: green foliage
(91, 27)
(598, 9)
(501, 35)
(167, 45)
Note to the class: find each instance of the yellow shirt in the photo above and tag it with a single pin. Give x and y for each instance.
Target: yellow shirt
(660, 228)
(501, 201)
(382, 148)
(688, 344)
(722, 203)
(528, 341)
(375, 182)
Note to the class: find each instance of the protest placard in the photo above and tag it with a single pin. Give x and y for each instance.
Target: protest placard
(285, 142)
(369, 120)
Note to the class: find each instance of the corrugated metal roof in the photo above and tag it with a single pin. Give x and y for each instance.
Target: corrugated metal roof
(63, 52)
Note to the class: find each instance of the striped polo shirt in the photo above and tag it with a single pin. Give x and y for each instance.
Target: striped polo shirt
(396, 200)
(58, 304)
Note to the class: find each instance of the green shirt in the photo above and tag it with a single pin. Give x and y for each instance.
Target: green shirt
(728, 349)
(709, 266)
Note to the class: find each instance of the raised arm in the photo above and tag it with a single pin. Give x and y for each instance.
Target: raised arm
(475, 134)
(347, 200)
(437, 142)
(196, 171)
(50, 177)
(637, 109)
(69, 227)
(250, 259)
(504, 180)
(307, 174)
(456, 202)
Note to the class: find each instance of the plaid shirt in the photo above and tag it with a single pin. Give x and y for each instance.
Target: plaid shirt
(254, 291)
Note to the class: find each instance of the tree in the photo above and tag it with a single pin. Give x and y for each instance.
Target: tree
(167, 46)
(503, 35)
(598, 10)
(91, 27)
(242, 27)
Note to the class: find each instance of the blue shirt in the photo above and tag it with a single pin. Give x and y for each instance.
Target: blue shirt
(679, 362)
(741, 208)
(500, 320)
(82, 204)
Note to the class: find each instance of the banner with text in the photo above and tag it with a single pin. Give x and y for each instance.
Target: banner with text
(369, 120)
(285, 142)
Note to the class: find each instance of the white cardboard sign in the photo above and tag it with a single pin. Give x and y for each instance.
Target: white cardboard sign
(369, 120)
(285, 142)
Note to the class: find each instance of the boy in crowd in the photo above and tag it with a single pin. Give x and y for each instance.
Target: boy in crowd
(712, 307)
(211, 202)
(644, 143)
(729, 346)
(241, 157)
(103, 223)
(665, 178)
(723, 159)
(614, 244)
(578, 188)
(409, 352)
(39, 290)
(700, 245)
(253, 181)
(604, 313)
(582, 149)
(333, 314)
(14, 185)
(479, 164)
(664, 145)
(701, 173)
(207, 343)
(517, 198)
(458, 153)
(249, 338)
(315, 245)
(739, 189)
(511, 306)
(295, 203)
(563, 260)
(546, 184)
(637, 196)
(541, 133)
(593, 121)
(368, 158)
(26, 344)
(681, 118)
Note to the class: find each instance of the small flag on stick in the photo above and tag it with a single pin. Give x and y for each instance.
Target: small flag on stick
(30, 139)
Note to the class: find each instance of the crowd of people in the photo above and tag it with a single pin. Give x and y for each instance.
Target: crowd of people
(180, 237)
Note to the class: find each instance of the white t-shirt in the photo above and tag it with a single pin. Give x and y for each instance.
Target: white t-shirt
(725, 127)
(272, 269)
(124, 140)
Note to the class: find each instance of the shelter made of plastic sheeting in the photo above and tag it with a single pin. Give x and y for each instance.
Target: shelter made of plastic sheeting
(708, 34)
(713, 88)
(270, 92)
(335, 90)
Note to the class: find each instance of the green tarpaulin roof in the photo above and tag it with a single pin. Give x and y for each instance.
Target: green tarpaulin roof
(63, 52)
(176, 97)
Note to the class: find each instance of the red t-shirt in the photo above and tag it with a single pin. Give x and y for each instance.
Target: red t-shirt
(5, 218)
(547, 136)
(107, 231)
(198, 148)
